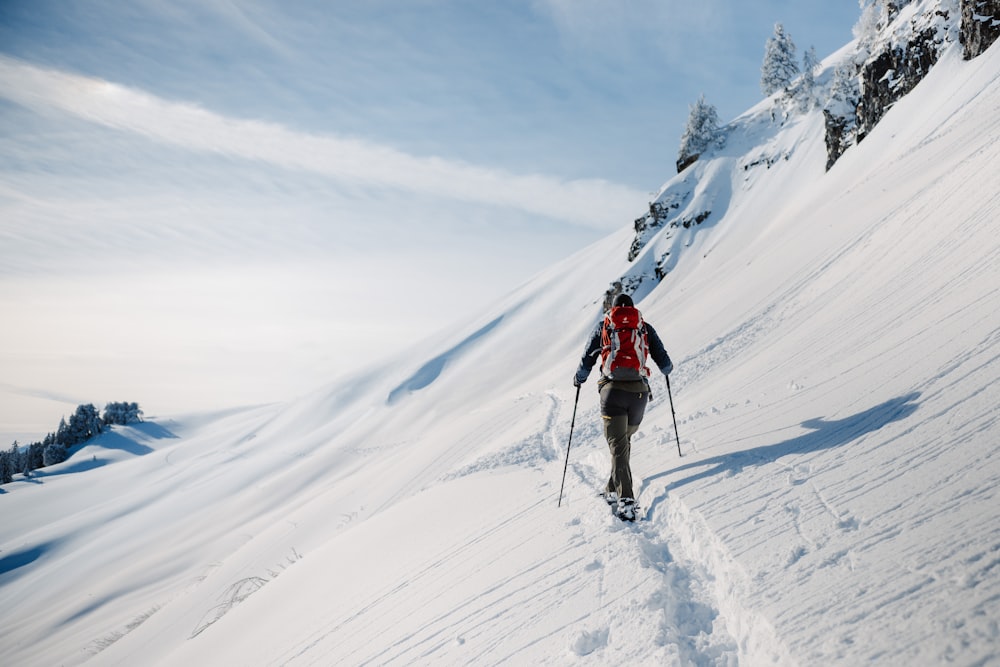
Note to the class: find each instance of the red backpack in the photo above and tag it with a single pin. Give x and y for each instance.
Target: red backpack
(623, 345)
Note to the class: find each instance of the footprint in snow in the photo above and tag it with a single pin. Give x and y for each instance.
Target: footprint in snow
(587, 642)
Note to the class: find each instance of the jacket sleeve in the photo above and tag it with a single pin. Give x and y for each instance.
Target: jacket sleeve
(657, 351)
(590, 355)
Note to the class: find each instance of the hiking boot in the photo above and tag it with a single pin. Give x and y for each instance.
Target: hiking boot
(626, 509)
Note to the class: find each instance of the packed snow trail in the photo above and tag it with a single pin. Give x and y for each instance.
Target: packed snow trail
(707, 618)
(838, 363)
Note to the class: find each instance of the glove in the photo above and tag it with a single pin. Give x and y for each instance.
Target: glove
(668, 368)
(579, 378)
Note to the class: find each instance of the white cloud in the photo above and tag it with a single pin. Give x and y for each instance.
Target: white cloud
(592, 202)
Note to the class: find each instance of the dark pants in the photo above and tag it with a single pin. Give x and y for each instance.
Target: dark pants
(622, 407)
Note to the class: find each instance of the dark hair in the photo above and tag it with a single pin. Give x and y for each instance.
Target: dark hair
(623, 300)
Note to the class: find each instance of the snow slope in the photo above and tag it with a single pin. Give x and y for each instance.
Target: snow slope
(837, 352)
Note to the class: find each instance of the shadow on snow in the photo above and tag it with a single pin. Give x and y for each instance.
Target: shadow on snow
(824, 435)
(110, 441)
(430, 371)
(18, 559)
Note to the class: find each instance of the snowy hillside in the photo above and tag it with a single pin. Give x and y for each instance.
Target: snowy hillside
(837, 352)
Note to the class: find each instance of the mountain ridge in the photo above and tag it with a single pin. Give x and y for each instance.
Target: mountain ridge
(836, 363)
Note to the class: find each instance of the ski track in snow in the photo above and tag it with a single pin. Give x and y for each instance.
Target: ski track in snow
(678, 587)
(648, 601)
(535, 450)
(422, 642)
(836, 501)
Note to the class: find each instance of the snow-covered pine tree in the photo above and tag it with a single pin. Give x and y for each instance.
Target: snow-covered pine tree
(83, 424)
(89, 420)
(33, 458)
(805, 91)
(875, 15)
(62, 432)
(122, 413)
(844, 93)
(868, 23)
(702, 129)
(780, 66)
(53, 454)
(10, 462)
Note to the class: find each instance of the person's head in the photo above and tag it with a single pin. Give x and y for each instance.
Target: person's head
(623, 300)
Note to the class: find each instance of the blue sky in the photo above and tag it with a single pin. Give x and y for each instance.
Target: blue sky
(261, 180)
(578, 89)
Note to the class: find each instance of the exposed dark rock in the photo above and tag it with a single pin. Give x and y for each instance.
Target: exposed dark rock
(655, 219)
(661, 266)
(690, 220)
(686, 161)
(766, 160)
(892, 74)
(838, 137)
(609, 295)
(980, 26)
(901, 52)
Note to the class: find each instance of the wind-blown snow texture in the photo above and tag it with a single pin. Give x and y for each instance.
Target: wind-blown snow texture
(837, 352)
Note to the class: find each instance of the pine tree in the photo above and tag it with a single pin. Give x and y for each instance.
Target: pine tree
(62, 433)
(779, 67)
(122, 413)
(844, 93)
(875, 15)
(53, 454)
(702, 129)
(133, 413)
(89, 424)
(34, 459)
(805, 89)
(9, 464)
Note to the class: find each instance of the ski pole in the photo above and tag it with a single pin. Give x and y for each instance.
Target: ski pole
(571, 425)
(676, 434)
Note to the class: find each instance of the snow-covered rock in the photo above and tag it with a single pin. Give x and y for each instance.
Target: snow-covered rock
(837, 357)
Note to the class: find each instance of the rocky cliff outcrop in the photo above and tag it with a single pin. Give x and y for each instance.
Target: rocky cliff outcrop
(980, 26)
(902, 55)
(888, 65)
(839, 135)
(661, 214)
(888, 76)
(896, 48)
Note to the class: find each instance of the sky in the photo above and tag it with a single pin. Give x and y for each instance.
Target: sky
(819, 487)
(215, 203)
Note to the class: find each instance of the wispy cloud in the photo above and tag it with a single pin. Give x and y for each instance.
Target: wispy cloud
(593, 202)
(621, 28)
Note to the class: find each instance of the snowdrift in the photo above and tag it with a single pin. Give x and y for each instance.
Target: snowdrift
(837, 352)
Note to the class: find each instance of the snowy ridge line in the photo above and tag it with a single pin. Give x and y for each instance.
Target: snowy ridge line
(756, 638)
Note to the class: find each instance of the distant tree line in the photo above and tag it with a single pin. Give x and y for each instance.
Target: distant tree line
(83, 425)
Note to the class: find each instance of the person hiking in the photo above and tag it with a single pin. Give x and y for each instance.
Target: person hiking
(623, 341)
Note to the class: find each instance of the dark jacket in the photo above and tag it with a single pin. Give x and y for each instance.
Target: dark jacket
(593, 352)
